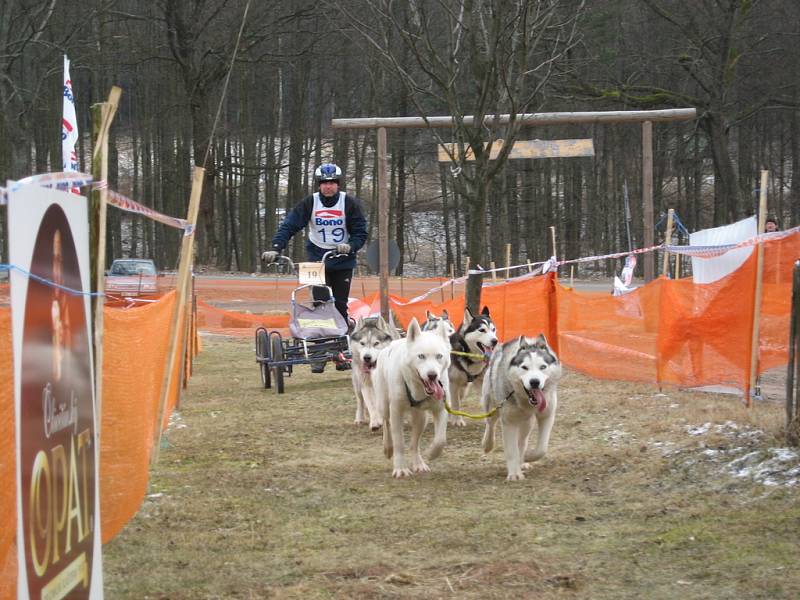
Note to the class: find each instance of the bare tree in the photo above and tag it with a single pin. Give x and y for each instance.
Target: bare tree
(688, 53)
(471, 58)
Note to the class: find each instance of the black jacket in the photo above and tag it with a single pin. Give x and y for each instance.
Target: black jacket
(300, 216)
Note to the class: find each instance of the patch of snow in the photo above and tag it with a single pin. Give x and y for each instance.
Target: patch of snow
(699, 429)
(770, 467)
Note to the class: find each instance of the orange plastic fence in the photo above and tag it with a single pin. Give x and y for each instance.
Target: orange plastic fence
(8, 481)
(666, 332)
(226, 322)
(135, 357)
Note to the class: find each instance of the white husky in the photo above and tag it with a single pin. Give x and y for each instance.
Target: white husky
(370, 336)
(521, 382)
(411, 378)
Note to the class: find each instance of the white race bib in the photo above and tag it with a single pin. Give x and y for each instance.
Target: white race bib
(327, 227)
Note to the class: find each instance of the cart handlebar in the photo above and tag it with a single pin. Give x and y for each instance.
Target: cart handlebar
(281, 259)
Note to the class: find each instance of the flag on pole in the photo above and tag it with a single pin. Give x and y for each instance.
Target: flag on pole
(69, 127)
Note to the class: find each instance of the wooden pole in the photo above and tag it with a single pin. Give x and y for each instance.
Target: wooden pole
(572, 277)
(508, 261)
(494, 273)
(184, 268)
(668, 240)
(383, 223)
(187, 325)
(677, 266)
(466, 265)
(647, 198)
(754, 340)
(102, 116)
(555, 118)
(793, 368)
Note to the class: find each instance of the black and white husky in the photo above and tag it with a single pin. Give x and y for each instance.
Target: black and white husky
(471, 347)
(370, 336)
(411, 380)
(521, 382)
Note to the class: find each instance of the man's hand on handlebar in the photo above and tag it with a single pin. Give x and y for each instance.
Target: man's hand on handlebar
(343, 248)
(270, 256)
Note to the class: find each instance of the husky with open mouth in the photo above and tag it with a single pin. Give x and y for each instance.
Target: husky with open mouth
(411, 379)
(522, 383)
(471, 347)
(370, 336)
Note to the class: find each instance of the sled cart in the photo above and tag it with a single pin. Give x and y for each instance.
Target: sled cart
(318, 330)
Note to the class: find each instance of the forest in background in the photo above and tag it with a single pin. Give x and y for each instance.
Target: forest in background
(299, 64)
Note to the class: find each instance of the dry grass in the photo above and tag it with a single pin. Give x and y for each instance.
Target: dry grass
(267, 496)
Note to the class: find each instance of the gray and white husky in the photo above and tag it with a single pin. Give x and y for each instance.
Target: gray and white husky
(411, 379)
(369, 337)
(471, 348)
(432, 321)
(522, 383)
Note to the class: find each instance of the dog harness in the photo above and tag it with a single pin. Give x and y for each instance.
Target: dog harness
(467, 356)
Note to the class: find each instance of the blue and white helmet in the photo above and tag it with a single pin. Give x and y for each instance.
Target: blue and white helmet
(327, 172)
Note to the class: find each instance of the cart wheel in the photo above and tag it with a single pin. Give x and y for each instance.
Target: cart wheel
(277, 355)
(262, 354)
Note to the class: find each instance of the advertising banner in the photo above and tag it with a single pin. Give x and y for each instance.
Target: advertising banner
(58, 520)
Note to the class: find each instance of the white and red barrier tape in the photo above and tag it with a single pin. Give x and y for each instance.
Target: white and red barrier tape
(695, 251)
(67, 180)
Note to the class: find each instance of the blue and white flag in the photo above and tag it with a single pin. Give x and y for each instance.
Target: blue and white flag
(69, 126)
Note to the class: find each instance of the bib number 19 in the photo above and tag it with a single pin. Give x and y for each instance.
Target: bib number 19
(337, 234)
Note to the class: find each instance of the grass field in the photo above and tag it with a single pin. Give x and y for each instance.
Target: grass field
(643, 495)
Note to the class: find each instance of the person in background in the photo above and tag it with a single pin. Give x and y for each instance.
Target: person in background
(335, 222)
(771, 224)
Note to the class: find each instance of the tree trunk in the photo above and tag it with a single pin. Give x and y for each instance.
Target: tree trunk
(476, 243)
(794, 190)
(207, 242)
(400, 204)
(446, 220)
(726, 190)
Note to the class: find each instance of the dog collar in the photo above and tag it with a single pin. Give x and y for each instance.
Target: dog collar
(410, 396)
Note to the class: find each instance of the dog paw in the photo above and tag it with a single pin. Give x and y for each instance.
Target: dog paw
(420, 467)
(533, 456)
(434, 452)
(526, 466)
(457, 422)
(374, 426)
(401, 473)
(359, 422)
(515, 476)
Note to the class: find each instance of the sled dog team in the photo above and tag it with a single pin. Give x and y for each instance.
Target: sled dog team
(414, 376)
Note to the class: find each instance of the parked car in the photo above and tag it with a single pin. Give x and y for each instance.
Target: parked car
(132, 277)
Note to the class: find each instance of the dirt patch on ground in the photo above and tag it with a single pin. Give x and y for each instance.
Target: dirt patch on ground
(644, 494)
